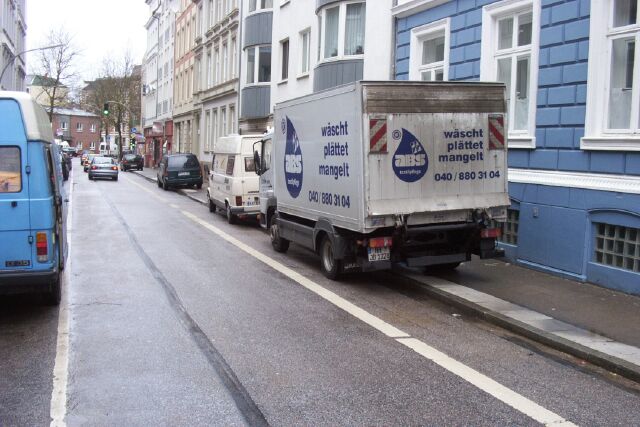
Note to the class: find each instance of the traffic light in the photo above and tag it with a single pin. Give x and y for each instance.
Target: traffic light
(105, 109)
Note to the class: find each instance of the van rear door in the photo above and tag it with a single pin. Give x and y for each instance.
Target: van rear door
(15, 227)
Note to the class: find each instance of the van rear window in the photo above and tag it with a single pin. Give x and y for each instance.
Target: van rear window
(10, 170)
(186, 161)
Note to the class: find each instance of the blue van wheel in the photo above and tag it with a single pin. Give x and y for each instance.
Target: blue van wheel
(55, 291)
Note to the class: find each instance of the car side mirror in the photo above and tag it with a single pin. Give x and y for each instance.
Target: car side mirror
(256, 163)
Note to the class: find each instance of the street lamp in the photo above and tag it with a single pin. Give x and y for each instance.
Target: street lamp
(23, 52)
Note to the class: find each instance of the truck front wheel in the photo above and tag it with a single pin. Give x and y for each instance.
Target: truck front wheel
(279, 244)
(331, 267)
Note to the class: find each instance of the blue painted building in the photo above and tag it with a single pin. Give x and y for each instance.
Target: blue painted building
(572, 71)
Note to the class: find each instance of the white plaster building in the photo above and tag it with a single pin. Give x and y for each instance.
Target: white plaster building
(157, 92)
(13, 32)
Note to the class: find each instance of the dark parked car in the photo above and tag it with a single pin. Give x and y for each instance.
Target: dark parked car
(179, 170)
(103, 167)
(131, 161)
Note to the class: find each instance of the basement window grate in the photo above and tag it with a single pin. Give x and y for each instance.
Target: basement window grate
(510, 227)
(617, 246)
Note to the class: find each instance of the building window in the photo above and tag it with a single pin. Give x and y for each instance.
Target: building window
(213, 135)
(260, 4)
(225, 62)
(92, 129)
(223, 121)
(305, 44)
(234, 58)
(284, 57)
(343, 32)
(510, 227)
(510, 55)
(207, 127)
(64, 125)
(617, 246)
(209, 71)
(259, 64)
(232, 118)
(79, 127)
(92, 146)
(429, 52)
(217, 72)
(613, 90)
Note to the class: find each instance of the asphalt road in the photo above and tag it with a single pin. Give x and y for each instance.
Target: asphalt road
(177, 318)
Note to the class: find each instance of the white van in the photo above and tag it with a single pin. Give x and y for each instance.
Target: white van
(233, 183)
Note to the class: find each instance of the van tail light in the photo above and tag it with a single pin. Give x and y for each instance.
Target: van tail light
(487, 233)
(114, 168)
(381, 242)
(496, 132)
(42, 246)
(238, 200)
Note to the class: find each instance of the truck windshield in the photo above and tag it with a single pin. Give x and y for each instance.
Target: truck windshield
(10, 167)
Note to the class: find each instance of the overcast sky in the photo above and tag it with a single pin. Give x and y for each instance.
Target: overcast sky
(99, 28)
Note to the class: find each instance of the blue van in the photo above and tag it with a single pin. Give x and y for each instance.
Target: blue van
(33, 242)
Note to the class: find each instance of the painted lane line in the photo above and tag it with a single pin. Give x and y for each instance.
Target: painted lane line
(481, 381)
(486, 384)
(58, 404)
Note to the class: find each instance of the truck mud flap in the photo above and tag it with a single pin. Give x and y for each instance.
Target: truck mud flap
(427, 260)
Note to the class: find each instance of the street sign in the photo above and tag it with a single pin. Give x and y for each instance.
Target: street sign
(134, 130)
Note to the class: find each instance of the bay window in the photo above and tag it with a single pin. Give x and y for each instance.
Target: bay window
(260, 4)
(258, 64)
(342, 30)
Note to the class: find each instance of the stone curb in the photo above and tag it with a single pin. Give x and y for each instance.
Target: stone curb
(598, 358)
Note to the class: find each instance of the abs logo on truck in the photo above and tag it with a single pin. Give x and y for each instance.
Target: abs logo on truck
(292, 159)
(410, 161)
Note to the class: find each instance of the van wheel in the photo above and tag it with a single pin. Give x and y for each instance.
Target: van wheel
(279, 243)
(331, 267)
(54, 295)
(212, 206)
(231, 218)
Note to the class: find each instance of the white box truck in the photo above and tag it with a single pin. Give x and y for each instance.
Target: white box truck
(373, 173)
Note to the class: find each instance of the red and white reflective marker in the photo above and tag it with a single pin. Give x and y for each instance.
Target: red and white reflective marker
(496, 132)
(378, 135)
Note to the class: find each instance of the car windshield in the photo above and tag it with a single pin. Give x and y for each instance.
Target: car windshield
(102, 160)
(186, 161)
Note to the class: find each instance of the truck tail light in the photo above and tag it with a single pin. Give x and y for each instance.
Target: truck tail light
(42, 246)
(486, 233)
(496, 132)
(238, 200)
(381, 242)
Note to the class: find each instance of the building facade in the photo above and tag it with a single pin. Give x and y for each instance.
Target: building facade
(157, 92)
(13, 32)
(184, 75)
(81, 129)
(40, 88)
(573, 89)
(217, 68)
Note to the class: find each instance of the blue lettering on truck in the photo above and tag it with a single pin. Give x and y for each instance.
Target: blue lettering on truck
(410, 161)
(292, 159)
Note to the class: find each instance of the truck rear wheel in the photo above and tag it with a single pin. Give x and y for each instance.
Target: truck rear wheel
(331, 267)
(279, 244)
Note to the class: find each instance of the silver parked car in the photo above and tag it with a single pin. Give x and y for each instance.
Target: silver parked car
(103, 167)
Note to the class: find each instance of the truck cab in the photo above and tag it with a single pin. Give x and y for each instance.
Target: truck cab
(33, 243)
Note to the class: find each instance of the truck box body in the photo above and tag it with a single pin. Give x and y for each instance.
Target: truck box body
(370, 154)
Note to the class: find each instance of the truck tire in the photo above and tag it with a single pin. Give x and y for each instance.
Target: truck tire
(331, 267)
(54, 295)
(279, 244)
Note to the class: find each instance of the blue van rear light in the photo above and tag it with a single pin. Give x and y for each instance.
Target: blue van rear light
(42, 246)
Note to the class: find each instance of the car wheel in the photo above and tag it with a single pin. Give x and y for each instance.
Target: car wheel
(212, 206)
(54, 295)
(231, 218)
(140, 168)
(165, 186)
(331, 267)
(159, 183)
(115, 178)
(279, 243)
(199, 186)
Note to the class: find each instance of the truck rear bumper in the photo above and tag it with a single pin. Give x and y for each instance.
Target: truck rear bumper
(427, 260)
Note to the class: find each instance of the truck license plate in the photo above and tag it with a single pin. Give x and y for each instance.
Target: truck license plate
(379, 254)
(183, 173)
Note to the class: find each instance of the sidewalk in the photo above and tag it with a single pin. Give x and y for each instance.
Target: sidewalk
(592, 323)
(595, 324)
(196, 195)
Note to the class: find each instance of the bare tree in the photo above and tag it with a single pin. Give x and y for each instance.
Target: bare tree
(56, 66)
(118, 86)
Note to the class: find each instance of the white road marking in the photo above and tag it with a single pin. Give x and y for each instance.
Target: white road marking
(481, 381)
(58, 405)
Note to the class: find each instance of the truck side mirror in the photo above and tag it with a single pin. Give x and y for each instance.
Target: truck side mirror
(256, 162)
